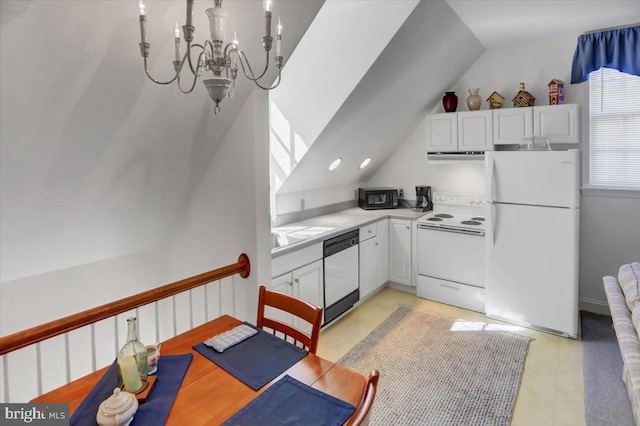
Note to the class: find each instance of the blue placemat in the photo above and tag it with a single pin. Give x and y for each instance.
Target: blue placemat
(154, 411)
(257, 360)
(290, 402)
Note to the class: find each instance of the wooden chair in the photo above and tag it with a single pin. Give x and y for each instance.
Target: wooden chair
(363, 410)
(295, 306)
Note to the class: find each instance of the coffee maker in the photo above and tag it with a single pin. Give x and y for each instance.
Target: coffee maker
(423, 199)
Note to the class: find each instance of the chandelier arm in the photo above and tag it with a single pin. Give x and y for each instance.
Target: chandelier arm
(277, 83)
(193, 85)
(188, 55)
(242, 55)
(146, 70)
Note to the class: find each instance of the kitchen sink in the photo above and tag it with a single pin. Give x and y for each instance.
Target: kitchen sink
(279, 239)
(291, 234)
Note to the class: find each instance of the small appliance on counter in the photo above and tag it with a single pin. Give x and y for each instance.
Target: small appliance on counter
(377, 198)
(424, 202)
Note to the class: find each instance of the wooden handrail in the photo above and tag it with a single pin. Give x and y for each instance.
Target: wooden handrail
(54, 328)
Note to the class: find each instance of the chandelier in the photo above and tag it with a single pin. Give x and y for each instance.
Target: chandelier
(214, 55)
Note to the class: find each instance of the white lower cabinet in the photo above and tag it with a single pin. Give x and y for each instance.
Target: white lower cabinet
(374, 257)
(400, 251)
(305, 283)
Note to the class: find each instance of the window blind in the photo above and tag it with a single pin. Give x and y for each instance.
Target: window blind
(615, 129)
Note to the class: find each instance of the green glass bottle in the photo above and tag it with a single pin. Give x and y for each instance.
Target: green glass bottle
(132, 360)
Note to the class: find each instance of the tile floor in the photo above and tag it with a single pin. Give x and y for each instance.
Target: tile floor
(552, 391)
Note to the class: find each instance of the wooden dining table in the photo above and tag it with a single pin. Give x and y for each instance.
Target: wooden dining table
(208, 394)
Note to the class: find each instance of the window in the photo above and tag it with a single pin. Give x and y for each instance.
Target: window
(614, 100)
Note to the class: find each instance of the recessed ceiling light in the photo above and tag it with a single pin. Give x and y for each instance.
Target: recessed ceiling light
(335, 164)
(365, 163)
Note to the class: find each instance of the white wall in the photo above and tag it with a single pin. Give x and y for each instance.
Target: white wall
(112, 185)
(102, 170)
(610, 222)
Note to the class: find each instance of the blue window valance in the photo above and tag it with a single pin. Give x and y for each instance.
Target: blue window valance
(618, 49)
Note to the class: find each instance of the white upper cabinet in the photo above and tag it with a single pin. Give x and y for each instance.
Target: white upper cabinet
(442, 132)
(558, 123)
(475, 131)
(460, 131)
(512, 125)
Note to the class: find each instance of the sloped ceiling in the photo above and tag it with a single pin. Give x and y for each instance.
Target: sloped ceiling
(92, 150)
(427, 55)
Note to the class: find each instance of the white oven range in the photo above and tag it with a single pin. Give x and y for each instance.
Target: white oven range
(451, 251)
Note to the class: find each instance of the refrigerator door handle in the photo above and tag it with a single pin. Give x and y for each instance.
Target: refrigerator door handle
(490, 181)
(492, 224)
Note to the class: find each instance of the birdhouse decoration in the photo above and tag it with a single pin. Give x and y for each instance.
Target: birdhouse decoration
(523, 98)
(556, 92)
(495, 100)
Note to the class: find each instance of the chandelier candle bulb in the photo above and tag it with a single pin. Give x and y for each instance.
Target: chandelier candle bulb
(177, 40)
(279, 38)
(189, 12)
(267, 24)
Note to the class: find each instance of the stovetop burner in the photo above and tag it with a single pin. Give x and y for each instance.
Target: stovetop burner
(435, 219)
(478, 218)
(444, 215)
(471, 222)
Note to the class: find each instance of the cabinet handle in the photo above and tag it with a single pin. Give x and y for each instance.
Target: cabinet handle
(297, 280)
(377, 243)
(408, 227)
(370, 231)
(291, 283)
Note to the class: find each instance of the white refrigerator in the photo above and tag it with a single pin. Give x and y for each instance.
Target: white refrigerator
(532, 222)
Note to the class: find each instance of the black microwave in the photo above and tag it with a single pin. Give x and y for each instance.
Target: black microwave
(377, 198)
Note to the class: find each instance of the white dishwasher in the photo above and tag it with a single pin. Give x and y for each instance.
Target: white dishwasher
(341, 274)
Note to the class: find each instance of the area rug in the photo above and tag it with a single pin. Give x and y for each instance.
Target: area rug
(437, 370)
(606, 401)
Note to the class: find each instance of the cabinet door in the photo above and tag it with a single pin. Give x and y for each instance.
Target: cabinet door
(283, 284)
(400, 251)
(308, 286)
(368, 266)
(558, 123)
(475, 131)
(442, 132)
(382, 253)
(512, 125)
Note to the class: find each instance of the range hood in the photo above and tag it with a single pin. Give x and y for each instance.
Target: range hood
(456, 156)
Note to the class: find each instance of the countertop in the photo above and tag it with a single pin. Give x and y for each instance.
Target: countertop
(321, 228)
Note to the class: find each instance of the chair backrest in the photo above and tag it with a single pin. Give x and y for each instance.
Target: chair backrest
(363, 410)
(301, 309)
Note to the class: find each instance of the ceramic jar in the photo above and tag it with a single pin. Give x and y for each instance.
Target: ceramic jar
(118, 409)
(450, 102)
(474, 101)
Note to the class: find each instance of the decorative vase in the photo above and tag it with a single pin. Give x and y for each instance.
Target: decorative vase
(132, 360)
(450, 101)
(474, 101)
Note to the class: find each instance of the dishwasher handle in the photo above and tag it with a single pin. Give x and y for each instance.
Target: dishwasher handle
(341, 242)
